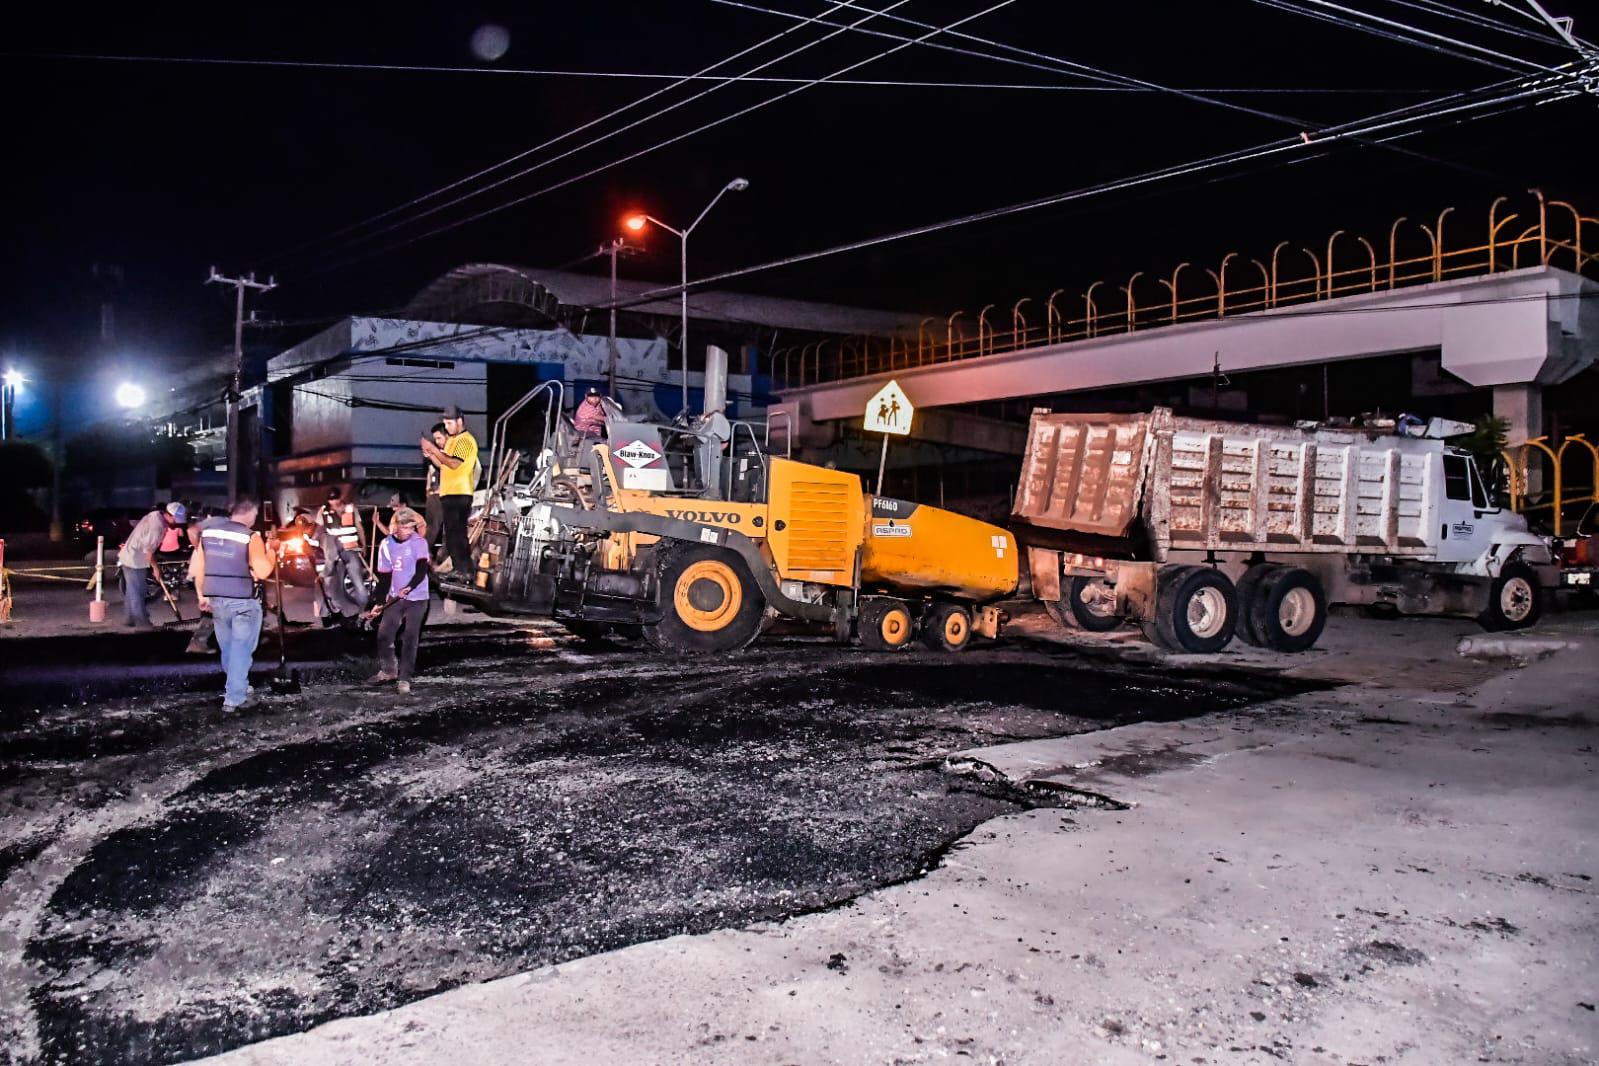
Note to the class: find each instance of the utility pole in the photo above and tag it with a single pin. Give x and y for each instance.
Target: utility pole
(236, 387)
(617, 246)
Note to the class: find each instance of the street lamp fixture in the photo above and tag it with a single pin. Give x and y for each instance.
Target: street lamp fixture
(129, 395)
(635, 223)
(12, 382)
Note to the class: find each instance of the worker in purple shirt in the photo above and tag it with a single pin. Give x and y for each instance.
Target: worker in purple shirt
(401, 598)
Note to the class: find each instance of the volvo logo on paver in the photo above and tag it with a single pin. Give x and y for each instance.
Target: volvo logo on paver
(638, 455)
(730, 518)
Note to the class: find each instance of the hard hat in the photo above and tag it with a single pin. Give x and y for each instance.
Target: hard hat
(178, 512)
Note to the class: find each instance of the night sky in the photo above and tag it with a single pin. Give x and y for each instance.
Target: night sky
(164, 169)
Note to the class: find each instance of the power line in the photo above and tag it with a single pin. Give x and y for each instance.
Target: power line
(1431, 7)
(548, 143)
(1443, 39)
(1525, 91)
(592, 142)
(628, 75)
(669, 141)
(1086, 70)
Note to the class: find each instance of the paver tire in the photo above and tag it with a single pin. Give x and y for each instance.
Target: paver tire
(885, 625)
(709, 603)
(1515, 599)
(947, 627)
(1287, 609)
(1196, 610)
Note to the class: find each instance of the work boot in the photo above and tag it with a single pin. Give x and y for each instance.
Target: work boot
(379, 678)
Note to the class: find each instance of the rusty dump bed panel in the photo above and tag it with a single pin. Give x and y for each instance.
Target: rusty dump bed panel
(1225, 486)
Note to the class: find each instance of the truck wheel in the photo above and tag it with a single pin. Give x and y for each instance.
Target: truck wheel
(1287, 610)
(1092, 602)
(885, 625)
(1196, 610)
(947, 627)
(1248, 591)
(1514, 599)
(709, 602)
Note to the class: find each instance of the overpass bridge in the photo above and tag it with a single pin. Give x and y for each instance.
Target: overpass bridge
(1497, 324)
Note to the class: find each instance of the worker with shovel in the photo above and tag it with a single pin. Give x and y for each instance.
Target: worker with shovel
(233, 558)
(402, 598)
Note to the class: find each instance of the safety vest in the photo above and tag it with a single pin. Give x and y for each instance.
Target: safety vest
(227, 561)
(334, 522)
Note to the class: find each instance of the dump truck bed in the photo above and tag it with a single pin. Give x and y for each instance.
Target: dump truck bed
(1167, 483)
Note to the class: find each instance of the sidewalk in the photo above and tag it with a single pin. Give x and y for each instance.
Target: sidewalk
(1401, 874)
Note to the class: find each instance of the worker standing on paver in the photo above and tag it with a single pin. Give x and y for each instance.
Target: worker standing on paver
(233, 558)
(137, 555)
(457, 466)
(402, 595)
(433, 510)
(589, 418)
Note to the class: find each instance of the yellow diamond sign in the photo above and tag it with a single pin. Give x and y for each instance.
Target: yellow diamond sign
(889, 411)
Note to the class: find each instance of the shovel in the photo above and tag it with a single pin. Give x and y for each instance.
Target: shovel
(285, 682)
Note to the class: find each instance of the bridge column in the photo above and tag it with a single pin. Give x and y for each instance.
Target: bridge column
(1522, 407)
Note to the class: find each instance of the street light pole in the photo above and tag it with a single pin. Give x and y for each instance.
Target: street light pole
(637, 222)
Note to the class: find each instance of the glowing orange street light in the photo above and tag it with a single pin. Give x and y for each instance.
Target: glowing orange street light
(635, 223)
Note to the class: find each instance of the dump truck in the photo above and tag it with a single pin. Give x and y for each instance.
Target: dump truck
(1202, 530)
(696, 538)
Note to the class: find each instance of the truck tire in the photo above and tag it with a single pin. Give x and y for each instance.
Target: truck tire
(885, 625)
(709, 603)
(947, 627)
(1196, 610)
(1092, 602)
(1286, 609)
(1515, 599)
(1248, 591)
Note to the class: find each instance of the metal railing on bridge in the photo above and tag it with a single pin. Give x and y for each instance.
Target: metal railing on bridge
(1291, 274)
(1564, 489)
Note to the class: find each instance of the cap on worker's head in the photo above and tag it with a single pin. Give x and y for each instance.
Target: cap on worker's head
(334, 494)
(593, 391)
(451, 411)
(178, 512)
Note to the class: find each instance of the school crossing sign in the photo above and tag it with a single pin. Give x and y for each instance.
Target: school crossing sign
(889, 411)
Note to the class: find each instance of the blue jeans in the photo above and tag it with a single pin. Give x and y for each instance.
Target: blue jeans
(135, 586)
(238, 629)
